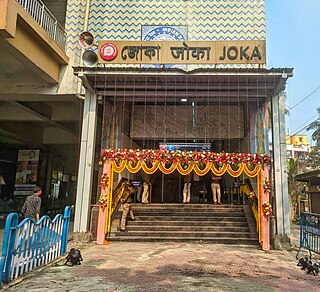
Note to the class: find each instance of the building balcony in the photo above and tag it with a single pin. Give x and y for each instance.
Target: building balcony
(32, 46)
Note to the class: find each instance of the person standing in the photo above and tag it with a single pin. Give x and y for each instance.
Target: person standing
(32, 204)
(186, 192)
(126, 207)
(215, 187)
(145, 194)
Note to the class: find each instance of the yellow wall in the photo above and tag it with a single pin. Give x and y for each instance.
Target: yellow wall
(297, 140)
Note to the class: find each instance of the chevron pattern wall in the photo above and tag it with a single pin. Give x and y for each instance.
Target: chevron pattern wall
(205, 19)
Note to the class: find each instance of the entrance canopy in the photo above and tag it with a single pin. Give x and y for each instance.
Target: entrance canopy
(176, 86)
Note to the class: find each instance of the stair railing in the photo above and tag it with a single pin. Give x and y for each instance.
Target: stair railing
(247, 189)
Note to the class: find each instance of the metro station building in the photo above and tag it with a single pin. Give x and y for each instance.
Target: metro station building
(155, 76)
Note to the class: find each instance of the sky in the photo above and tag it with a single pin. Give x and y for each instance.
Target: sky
(293, 41)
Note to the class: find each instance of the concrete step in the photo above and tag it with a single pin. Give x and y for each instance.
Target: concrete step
(168, 228)
(225, 224)
(192, 218)
(212, 240)
(183, 233)
(186, 207)
(207, 223)
(188, 213)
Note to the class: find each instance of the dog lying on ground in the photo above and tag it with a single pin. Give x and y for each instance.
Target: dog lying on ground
(74, 257)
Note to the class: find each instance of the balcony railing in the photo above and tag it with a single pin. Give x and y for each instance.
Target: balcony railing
(40, 13)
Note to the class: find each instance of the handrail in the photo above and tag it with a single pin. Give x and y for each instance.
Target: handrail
(247, 189)
(42, 15)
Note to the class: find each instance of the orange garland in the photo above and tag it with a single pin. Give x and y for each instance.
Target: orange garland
(167, 170)
(219, 172)
(120, 168)
(202, 172)
(133, 169)
(251, 173)
(235, 173)
(184, 171)
(152, 169)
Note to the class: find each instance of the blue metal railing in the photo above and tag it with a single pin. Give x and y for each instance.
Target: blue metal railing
(310, 233)
(29, 245)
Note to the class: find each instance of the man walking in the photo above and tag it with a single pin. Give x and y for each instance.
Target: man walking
(126, 200)
(32, 204)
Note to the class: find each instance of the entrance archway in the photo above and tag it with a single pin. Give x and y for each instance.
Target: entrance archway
(185, 162)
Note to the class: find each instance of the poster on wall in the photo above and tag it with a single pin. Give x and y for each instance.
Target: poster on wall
(27, 172)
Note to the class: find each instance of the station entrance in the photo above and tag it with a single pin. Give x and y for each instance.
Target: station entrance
(144, 108)
(217, 110)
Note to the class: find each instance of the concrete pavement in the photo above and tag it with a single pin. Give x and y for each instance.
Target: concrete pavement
(153, 267)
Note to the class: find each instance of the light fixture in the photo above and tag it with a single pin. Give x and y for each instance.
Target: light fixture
(2, 182)
(183, 99)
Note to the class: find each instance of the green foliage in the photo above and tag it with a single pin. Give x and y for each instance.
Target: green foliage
(315, 126)
(313, 159)
(295, 188)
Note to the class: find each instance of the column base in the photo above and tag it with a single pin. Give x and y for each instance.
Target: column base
(281, 242)
(82, 237)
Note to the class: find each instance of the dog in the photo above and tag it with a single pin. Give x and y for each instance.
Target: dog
(303, 263)
(307, 265)
(314, 269)
(74, 257)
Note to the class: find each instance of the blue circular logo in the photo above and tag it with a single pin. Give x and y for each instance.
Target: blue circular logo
(164, 33)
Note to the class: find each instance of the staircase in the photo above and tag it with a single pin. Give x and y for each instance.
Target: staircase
(225, 224)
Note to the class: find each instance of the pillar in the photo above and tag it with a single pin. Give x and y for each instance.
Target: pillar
(86, 163)
(265, 222)
(281, 206)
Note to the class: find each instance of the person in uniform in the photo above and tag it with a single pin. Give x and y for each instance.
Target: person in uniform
(126, 199)
(215, 187)
(145, 194)
(186, 192)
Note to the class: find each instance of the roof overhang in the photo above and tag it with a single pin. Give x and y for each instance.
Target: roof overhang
(170, 85)
(312, 177)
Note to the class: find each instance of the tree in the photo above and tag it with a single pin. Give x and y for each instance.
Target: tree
(314, 155)
(295, 188)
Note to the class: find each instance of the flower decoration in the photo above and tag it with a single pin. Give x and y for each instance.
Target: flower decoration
(267, 185)
(103, 200)
(266, 209)
(104, 180)
(183, 157)
(251, 195)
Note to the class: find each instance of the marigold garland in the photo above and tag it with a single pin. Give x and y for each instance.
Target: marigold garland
(165, 170)
(267, 209)
(104, 182)
(267, 185)
(184, 161)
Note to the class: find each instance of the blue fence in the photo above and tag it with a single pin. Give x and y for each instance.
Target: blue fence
(310, 233)
(29, 245)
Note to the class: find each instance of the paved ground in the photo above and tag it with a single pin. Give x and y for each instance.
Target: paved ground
(162, 267)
